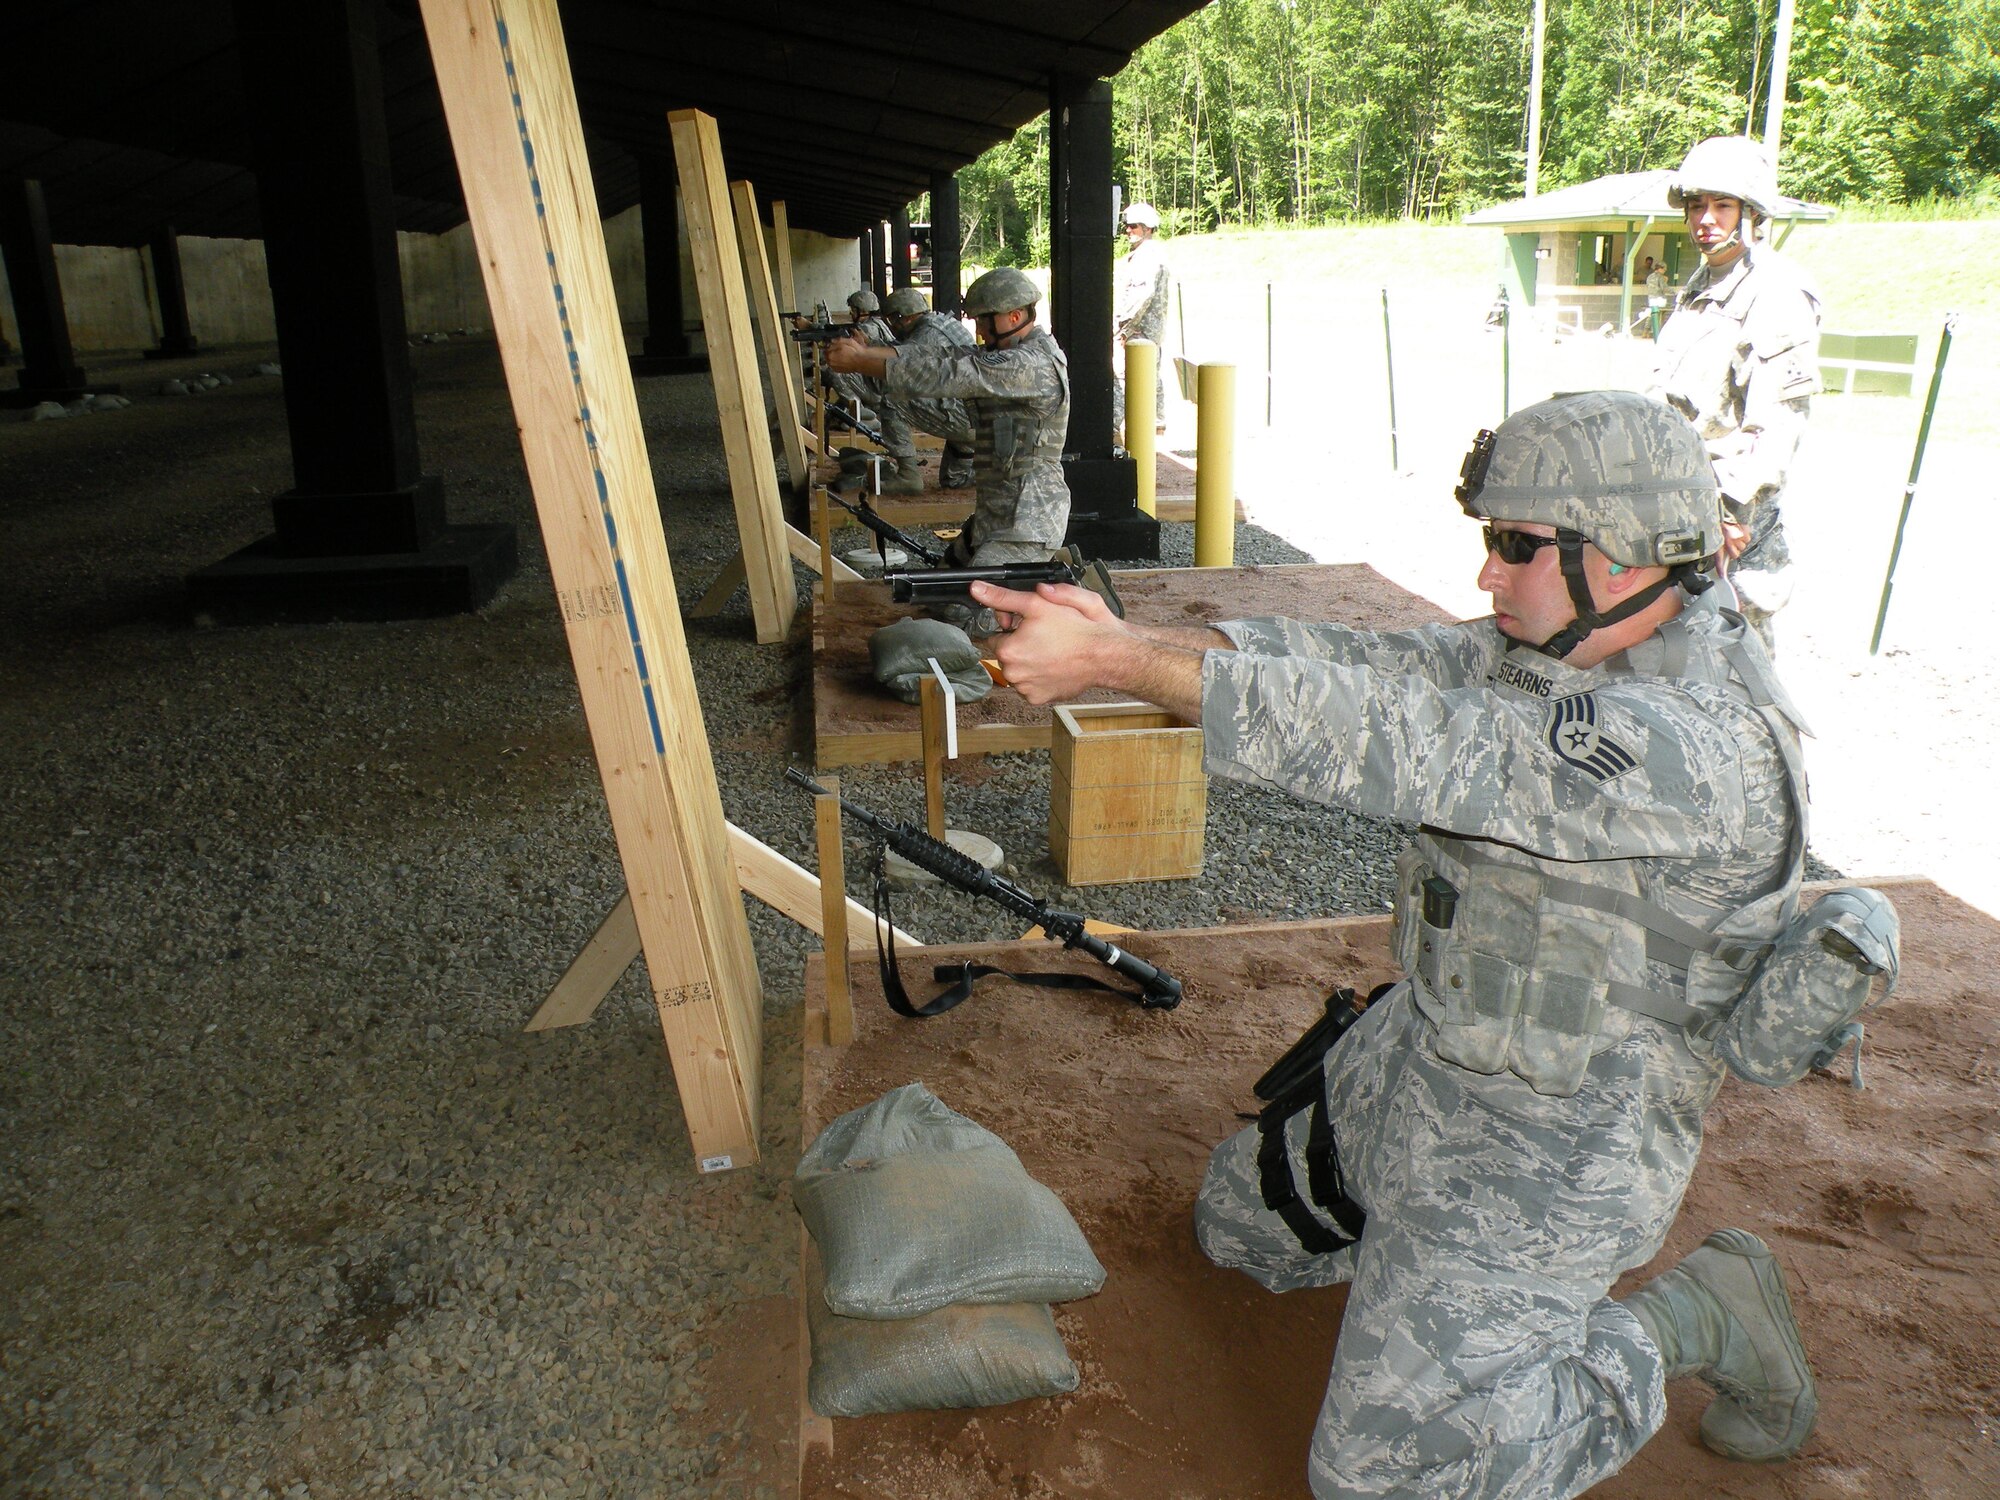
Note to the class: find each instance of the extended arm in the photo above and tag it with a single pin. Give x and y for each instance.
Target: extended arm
(1066, 641)
(853, 357)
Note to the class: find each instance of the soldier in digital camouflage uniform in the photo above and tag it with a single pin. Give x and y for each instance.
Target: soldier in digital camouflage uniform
(1605, 778)
(864, 310)
(1017, 382)
(915, 327)
(1739, 357)
(1144, 283)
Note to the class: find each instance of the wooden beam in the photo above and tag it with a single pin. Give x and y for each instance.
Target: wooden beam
(932, 710)
(718, 592)
(792, 890)
(788, 301)
(833, 912)
(503, 74)
(787, 888)
(785, 393)
(781, 244)
(807, 551)
(732, 360)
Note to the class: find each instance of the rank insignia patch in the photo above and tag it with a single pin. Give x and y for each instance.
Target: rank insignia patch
(1574, 736)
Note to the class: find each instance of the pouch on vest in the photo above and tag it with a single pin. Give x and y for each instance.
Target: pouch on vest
(1804, 1003)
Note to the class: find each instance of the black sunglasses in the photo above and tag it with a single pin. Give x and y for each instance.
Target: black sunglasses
(1516, 547)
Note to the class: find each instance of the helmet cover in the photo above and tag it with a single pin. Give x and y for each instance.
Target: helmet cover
(1000, 290)
(1626, 472)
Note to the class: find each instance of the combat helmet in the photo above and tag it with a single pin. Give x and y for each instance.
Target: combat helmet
(1621, 471)
(999, 291)
(905, 302)
(1733, 166)
(863, 302)
(1143, 214)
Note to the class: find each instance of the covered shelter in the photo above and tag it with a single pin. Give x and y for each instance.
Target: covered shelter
(1573, 254)
(317, 129)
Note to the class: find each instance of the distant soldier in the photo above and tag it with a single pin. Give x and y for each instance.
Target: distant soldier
(1141, 310)
(1017, 387)
(916, 326)
(869, 327)
(1739, 358)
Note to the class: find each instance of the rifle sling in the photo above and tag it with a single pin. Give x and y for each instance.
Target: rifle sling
(966, 972)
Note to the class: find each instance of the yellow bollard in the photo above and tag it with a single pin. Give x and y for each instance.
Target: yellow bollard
(1142, 367)
(1215, 466)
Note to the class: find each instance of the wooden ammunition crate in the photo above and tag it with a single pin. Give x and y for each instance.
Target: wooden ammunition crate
(1127, 798)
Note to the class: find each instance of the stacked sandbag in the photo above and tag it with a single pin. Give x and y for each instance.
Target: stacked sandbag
(937, 1257)
(900, 656)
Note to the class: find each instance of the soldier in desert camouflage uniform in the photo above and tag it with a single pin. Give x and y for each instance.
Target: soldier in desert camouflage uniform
(1739, 358)
(915, 327)
(1018, 385)
(1605, 778)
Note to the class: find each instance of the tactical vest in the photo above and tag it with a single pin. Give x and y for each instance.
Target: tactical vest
(1534, 966)
(1021, 435)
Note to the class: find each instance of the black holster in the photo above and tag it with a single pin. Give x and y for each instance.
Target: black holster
(1294, 1083)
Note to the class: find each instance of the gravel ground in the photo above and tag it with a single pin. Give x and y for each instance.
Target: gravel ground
(289, 1204)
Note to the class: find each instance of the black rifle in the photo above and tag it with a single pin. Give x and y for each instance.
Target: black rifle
(1158, 990)
(823, 332)
(954, 585)
(887, 531)
(847, 419)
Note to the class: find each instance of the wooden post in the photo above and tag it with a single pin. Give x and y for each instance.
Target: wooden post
(781, 245)
(788, 294)
(732, 361)
(503, 74)
(833, 913)
(932, 707)
(823, 530)
(771, 329)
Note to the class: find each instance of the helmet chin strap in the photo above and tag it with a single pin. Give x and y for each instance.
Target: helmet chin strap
(1569, 550)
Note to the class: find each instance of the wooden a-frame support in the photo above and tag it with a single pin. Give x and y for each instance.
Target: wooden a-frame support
(766, 874)
(732, 358)
(503, 75)
(786, 396)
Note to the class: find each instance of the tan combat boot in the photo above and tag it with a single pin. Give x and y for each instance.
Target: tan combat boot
(908, 478)
(1723, 1314)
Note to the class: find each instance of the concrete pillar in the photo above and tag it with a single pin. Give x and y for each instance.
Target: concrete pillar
(947, 296)
(49, 371)
(176, 337)
(899, 249)
(865, 246)
(362, 535)
(1105, 519)
(880, 277)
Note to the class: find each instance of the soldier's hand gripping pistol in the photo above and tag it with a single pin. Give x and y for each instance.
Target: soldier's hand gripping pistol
(953, 585)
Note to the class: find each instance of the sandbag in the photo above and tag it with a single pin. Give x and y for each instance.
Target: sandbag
(984, 1355)
(914, 1207)
(901, 653)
